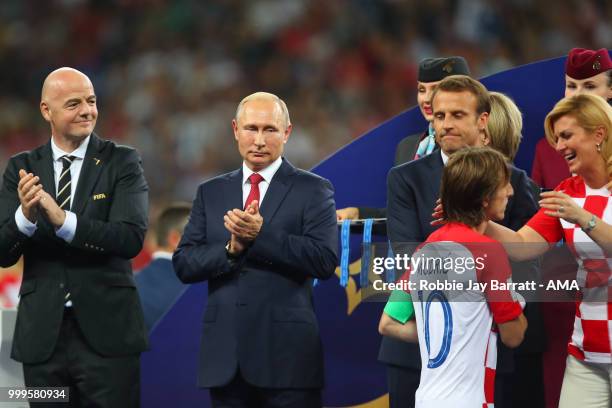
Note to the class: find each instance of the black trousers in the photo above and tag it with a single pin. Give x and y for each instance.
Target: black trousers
(94, 380)
(402, 383)
(240, 394)
(523, 388)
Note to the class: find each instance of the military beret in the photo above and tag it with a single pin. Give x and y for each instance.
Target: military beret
(436, 69)
(582, 63)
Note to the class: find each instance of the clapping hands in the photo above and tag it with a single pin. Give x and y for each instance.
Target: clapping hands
(243, 225)
(34, 199)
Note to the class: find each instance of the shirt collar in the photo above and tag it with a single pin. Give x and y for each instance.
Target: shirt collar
(266, 173)
(444, 157)
(78, 153)
(161, 255)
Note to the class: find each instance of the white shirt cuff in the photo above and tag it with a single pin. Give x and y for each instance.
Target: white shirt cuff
(23, 224)
(68, 229)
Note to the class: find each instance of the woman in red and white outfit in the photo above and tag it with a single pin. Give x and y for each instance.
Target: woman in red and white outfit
(580, 211)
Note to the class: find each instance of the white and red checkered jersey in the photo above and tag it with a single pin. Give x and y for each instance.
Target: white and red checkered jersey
(591, 338)
(457, 342)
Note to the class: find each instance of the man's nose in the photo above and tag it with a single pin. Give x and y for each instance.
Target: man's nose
(447, 123)
(259, 140)
(86, 109)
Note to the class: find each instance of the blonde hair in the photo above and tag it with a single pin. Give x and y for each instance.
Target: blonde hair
(591, 112)
(264, 96)
(505, 125)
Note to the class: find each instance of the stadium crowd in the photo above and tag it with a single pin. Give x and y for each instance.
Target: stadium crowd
(168, 72)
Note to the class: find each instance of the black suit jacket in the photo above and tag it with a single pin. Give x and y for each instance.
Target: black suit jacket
(111, 208)
(412, 191)
(407, 148)
(260, 313)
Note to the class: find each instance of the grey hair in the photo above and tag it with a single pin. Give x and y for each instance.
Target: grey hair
(264, 96)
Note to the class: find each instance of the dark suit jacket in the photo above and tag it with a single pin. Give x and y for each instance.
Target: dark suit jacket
(407, 148)
(404, 152)
(412, 191)
(158, 288)
(260, 313)
(111, 208)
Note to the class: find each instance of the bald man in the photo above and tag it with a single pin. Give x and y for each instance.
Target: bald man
(76, 209)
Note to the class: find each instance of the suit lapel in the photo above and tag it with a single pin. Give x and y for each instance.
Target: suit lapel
(232, 191)
(43, 168)
(436, 166)
(93, 163)
(278, 189)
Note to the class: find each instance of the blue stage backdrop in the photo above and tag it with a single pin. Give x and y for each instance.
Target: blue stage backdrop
(348, 327)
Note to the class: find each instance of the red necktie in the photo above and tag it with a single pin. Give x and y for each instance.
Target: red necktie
(255, 179)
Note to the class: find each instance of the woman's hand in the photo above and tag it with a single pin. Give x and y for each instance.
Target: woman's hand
(560, 205)
(438, 214)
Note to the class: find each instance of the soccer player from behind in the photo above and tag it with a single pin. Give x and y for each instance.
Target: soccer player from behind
(459, 287)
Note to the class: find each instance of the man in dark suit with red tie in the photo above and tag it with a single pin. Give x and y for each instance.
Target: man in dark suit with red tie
(76, 209)
(259, 235)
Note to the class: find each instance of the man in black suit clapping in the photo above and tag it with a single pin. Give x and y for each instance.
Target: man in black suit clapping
(76, 209)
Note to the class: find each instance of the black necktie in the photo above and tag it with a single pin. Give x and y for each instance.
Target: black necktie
(64, 187)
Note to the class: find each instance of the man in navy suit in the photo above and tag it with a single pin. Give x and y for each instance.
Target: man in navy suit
(157, 284)
(259, 235)
(431, 71)
(461, 109)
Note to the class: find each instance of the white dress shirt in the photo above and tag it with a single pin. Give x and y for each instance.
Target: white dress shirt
(267, 175)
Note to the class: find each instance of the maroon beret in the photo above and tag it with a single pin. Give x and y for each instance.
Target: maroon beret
(582, 63)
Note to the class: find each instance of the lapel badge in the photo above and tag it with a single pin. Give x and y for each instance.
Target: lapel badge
(100, 196)
(96, 160)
